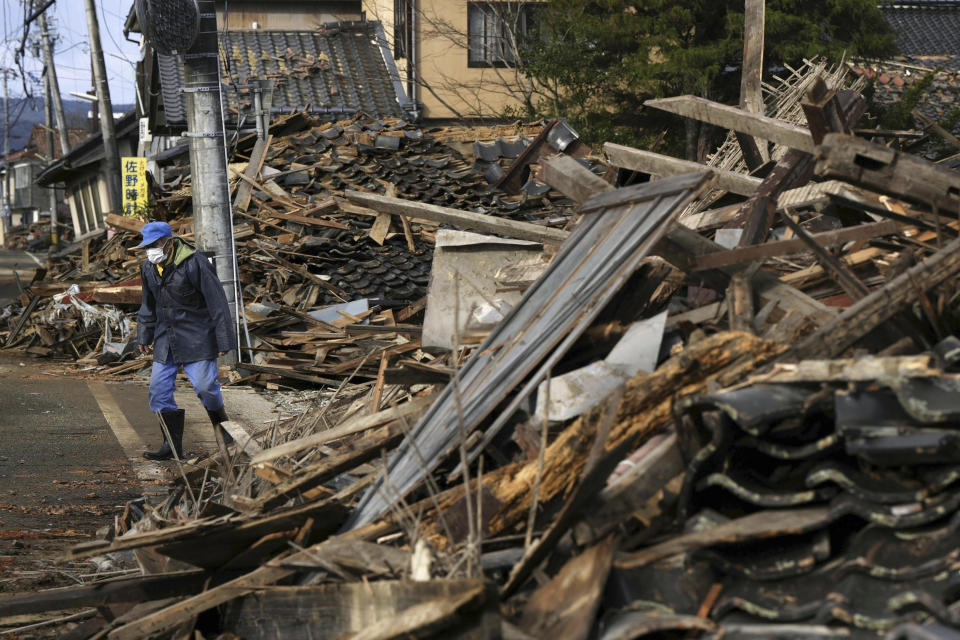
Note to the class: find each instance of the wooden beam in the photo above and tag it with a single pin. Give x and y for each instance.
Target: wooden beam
(767, 250)
(125, 589)
(245, 190)
(665, 166)
(796, 167)
(840, 272)
(686, 243)
(740, 303)
(125, 223)
(722, 115)
(563, 170)
(751, 71)
(882, 304)
(244, 440)
(893, 172)
(463, 219)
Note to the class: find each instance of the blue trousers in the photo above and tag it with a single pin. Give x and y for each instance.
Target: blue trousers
(202, 374)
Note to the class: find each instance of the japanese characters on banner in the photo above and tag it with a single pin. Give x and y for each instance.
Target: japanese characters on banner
(135, 196)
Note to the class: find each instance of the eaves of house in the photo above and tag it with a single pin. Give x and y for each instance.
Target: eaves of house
(86, 153)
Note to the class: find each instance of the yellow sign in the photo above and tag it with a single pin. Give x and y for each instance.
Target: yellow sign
(135, 194)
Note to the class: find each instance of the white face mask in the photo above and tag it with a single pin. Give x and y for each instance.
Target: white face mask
(156, 255)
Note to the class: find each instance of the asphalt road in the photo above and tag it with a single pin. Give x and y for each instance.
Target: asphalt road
(71, 454)
(24, 264)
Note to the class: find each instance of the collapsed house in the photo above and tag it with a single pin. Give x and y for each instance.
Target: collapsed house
(559, 399)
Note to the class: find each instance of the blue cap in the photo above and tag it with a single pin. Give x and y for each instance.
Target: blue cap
(153, 231)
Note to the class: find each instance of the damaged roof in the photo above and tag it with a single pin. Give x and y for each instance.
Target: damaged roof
(925, 27)
(338, 70)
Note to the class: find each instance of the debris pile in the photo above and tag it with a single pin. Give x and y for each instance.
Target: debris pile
(710, 404)
(304, 250)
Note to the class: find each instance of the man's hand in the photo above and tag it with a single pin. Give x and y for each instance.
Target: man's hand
(223, 353)
(146, 348)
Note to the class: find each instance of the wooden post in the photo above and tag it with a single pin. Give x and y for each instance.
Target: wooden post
(751, 74)
(751, 77)
(740, 303)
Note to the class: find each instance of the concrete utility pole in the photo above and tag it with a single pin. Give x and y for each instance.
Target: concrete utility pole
(54, 86)
(54, 104)
(212, 212)
(111, 154)
(7, 199)
(51, 146)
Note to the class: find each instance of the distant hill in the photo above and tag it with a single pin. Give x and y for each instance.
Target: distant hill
(33, 113)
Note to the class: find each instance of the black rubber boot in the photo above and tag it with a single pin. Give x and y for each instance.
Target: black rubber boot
(174, 422)
(216, 417)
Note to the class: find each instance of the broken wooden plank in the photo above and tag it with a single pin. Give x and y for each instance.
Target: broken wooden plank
(464, 219)
(246, 442)
(368, 610)
(562, 168)
(753, 124)
(839, 271)
(125, 589)
(352, 426)
(659, 463)
(242, 200)
(794, 169)
(565, 607)
(347, 458)
(883, 303)
(756, 526)
(852, 370)
(888, 171)
(681, 243)
(661, 165)
(381, 226)
(125, 223)
(310, 222)
(740, 303)
(754, 253)
(424, 619)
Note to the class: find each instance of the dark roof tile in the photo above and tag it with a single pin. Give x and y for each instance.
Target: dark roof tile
(338, 69)
(926, 28)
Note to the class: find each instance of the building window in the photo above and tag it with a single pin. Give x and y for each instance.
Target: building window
(402, 28)
(86, 198)
(498, 31)
(21, 176)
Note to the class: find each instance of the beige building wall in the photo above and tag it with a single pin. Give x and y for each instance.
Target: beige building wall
(448, 87)
(289, 16)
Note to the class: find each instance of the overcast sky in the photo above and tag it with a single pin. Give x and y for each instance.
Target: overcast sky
(72, 51)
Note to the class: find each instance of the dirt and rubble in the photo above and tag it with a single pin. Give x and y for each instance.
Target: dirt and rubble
(546, 397)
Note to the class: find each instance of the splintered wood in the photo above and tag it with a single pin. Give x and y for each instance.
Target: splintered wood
(705, 424)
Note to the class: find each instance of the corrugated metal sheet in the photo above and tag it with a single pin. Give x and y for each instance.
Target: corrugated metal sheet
(597, 259)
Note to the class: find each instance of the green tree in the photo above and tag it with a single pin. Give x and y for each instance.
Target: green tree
(597, 61)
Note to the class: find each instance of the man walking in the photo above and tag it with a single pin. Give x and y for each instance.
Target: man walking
(184, 318)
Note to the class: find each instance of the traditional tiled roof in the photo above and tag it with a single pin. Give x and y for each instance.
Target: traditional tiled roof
(925, 27)
(37, 143)
(338, 70)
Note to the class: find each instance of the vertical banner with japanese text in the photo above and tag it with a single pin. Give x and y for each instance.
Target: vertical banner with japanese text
(135, 196)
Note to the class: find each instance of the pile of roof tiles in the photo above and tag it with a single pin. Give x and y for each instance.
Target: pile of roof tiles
(723, 407)
(298, 230)
(870, 463)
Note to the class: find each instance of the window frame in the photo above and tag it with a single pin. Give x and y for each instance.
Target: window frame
(524, 8)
